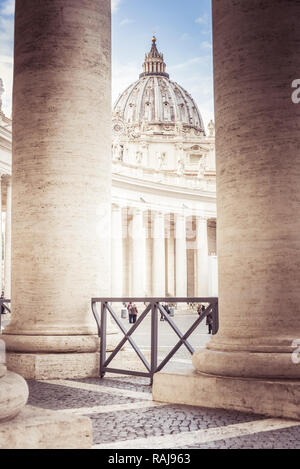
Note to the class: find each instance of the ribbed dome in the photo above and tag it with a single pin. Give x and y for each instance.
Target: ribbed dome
(156, 99)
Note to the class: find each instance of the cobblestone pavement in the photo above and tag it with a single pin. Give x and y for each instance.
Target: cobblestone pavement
(124, 416)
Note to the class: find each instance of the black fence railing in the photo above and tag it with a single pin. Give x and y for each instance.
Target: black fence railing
(154, 307)
(4, 309)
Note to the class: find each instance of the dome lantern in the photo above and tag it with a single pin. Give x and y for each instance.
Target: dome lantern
(154, 62)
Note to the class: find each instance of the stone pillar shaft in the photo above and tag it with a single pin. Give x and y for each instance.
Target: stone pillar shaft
(7, 257)
(202, 257)
(117, 253)
(256, 58)
(1, 234)
(61, 174)
(158, 255)
(181, 256)
(138, 239)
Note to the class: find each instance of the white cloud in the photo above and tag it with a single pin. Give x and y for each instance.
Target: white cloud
(6, 74)
(126, 21)
(8, 8)
(202, 19)
(115, 5)
(206, 45)
(123, 76)
(6, 52)
(186, 64)
(185, 37)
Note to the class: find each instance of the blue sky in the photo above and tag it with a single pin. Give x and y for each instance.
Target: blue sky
(183, 30)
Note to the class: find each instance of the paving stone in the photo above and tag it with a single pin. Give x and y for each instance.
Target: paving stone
(149, 422)
(54, 397)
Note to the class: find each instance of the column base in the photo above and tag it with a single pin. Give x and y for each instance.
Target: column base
(54, 366)
(276, 398)
(13, 395)
(36, 428)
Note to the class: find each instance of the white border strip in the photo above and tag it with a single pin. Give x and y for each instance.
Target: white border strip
(201, 437)
(101, 389)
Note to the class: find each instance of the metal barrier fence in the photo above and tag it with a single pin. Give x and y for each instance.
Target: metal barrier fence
(153, 307)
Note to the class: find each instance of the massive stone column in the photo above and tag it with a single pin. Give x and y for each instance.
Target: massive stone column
(181, 256)
(61, 184)
(252, 364)
(158, 255)
(7, 257)
(1, 238)
(138, 250)
(117, 253)
(202, 257)
(258, 189)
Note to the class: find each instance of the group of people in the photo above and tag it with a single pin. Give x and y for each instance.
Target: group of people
(209, 318)
(133, 313)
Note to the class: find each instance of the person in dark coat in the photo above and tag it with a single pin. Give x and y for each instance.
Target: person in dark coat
(129, 309)
(209, 322)
(2, 306)
(200, 309)
(134, 313)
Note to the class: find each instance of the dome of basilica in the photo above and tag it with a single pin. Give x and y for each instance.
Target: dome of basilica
(155, 99)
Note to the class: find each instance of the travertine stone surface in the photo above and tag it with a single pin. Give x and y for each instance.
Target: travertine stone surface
(256, 59)
(267, 397)
(158, 254)
(2, 370)
(52, 344)
(181, 256)
(54, 366)
(13, 396)
(202, 257)
(36, 428)
(7, 259)
(61, 168)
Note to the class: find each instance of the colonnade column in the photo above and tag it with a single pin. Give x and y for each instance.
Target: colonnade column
(181, 256)
(138, 238)
(117, 253)
(202, 257)
(13, 388)
(258, 169)
(61, 204)
(158, 255)
(7, 257)
(1, 237)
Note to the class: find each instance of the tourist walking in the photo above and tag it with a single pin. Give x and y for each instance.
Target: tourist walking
(200, 309)
(134, 313)
(130, 315)
(2, 306)
(209, 322)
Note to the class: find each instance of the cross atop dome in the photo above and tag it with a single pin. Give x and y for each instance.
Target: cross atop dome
(154, 62)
